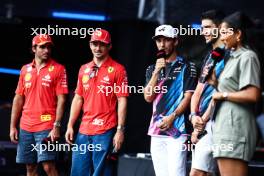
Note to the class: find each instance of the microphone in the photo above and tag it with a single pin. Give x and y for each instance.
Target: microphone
(161, 54)
(216, 56)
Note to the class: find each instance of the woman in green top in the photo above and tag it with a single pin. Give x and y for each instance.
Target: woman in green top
(234, 133)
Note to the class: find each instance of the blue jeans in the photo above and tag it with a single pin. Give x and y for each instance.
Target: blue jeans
(90, 153)
(29, 148)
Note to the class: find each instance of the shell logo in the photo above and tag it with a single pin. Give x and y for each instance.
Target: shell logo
(28, 77)
(85, 78)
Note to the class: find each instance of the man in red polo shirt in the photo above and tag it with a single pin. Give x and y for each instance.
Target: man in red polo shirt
(101, 86)
(40, 98)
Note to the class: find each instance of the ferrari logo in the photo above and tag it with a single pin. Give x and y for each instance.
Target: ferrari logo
(110, 69)
(51, 68)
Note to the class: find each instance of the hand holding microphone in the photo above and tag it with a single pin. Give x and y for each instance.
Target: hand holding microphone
(216, 56)
(160, 63)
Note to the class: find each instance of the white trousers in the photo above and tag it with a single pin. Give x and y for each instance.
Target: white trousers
(168, 156)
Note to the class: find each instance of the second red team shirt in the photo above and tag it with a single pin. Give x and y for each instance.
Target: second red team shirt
(100, 87)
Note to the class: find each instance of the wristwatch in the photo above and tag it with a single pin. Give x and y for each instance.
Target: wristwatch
(57, 124)
(120, 127)
(225, 95)
(191, 116)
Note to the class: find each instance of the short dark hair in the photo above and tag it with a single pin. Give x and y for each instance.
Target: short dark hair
(215, 15)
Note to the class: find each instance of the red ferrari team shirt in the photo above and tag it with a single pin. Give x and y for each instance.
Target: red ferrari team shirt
(100, 87)
(40, 88)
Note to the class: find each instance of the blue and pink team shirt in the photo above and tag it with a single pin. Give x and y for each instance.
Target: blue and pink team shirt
(180, 77)
(208, 89)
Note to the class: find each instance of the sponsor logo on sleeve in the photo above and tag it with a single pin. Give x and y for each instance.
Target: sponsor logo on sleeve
(28, 77)
(85, 79)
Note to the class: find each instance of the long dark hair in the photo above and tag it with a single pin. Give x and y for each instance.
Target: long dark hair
(239, 21)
